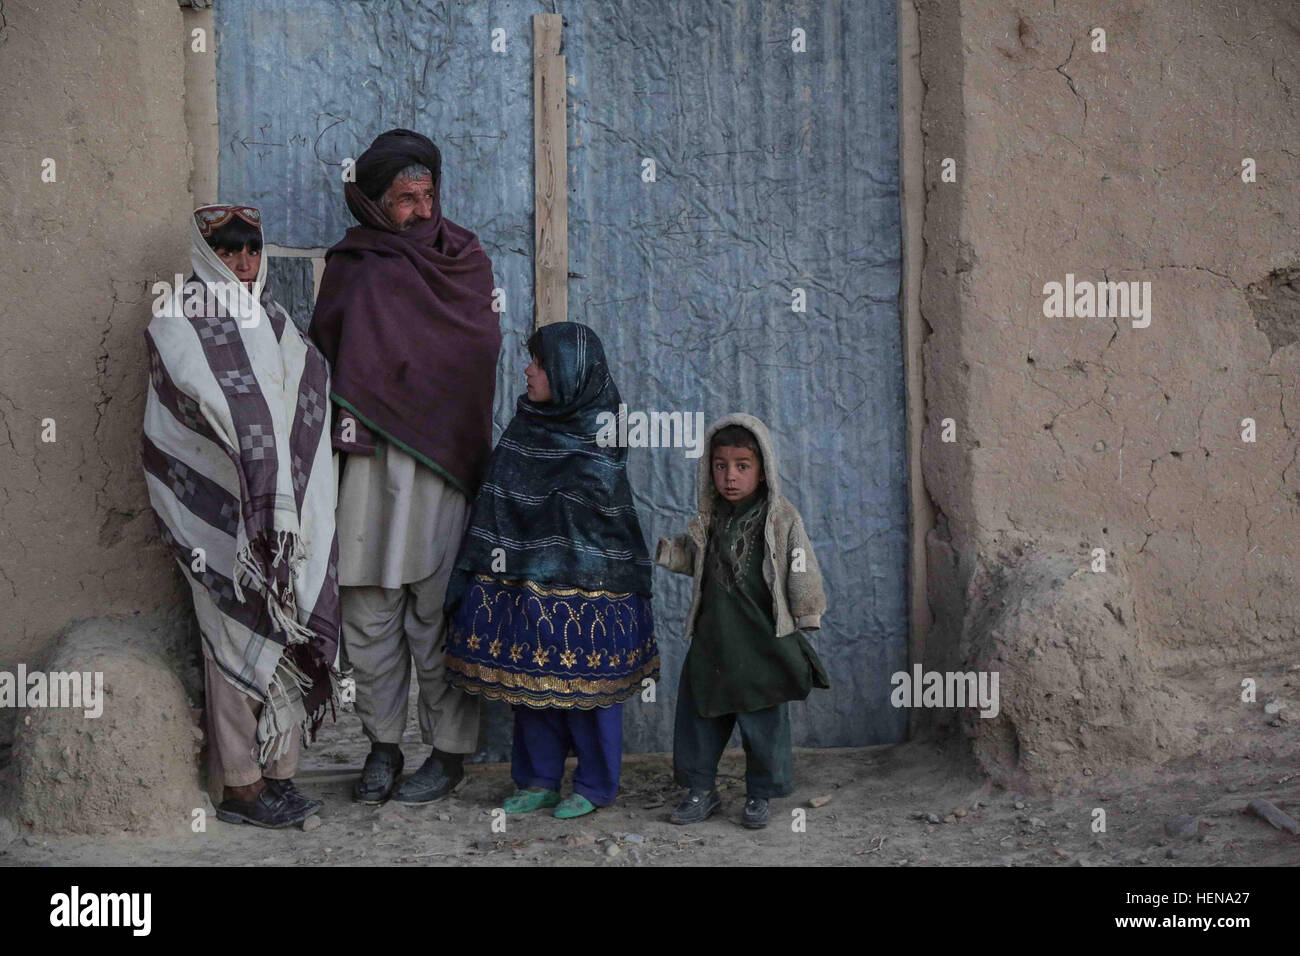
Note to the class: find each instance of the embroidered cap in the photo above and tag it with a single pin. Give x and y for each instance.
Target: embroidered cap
(212, 218)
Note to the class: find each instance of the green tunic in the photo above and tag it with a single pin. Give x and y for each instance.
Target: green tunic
(736, 664)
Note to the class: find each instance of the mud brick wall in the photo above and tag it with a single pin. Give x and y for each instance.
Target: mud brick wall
(1073, 434)
(100, 93)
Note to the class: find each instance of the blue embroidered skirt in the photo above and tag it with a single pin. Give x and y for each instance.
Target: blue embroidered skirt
(547, 646)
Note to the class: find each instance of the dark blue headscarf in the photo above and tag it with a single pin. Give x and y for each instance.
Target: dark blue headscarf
(558, 505)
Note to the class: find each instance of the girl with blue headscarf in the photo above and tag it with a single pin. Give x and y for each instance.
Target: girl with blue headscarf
(549, 601)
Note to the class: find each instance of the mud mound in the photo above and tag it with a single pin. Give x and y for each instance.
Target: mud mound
(134, 766)
(1079, 696)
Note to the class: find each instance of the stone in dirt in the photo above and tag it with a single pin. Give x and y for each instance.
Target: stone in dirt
(1183, 826)
(1262, 808)
(816, 802)
(311, 823)
(581, 838)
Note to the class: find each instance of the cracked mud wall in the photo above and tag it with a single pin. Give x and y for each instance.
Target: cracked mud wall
(1082, 433)
(100, 92)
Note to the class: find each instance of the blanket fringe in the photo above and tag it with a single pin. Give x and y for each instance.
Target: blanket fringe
(312, 723)
(295, 674)
(333, 702)
(277, 719)
(247, 571)
(279, 703)
(281, 600)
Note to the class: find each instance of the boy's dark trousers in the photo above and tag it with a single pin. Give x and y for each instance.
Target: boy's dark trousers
(698, 743)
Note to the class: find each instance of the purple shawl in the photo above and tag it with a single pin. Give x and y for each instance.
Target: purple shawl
(406, 322)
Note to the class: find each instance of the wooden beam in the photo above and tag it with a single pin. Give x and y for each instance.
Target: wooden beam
(550, 174)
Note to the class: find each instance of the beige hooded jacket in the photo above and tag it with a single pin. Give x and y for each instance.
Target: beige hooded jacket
(789, 565)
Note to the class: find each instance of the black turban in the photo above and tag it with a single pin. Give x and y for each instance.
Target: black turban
(389, 154)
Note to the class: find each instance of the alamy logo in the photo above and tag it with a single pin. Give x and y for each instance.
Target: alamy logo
(1098, 300)
(192, 300)
(55, 689)
(948, 689)
(103, 909)
(651, 430)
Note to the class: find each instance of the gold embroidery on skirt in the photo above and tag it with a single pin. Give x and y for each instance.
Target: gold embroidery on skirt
(524, 689)
(555, 691)
(548, 590)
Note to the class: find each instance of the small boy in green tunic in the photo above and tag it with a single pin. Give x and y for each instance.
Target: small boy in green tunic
(757, 586)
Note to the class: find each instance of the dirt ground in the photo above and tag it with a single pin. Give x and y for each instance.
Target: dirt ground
(877, 815)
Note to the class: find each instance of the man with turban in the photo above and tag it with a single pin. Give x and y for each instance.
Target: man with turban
(405, 318)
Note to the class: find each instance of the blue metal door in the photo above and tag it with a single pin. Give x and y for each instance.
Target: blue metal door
(774, 170)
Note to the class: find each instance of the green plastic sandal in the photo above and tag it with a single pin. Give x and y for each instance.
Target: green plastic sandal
(526, 801)
(574, 805)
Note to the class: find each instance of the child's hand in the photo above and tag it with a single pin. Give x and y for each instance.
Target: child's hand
(676, 554)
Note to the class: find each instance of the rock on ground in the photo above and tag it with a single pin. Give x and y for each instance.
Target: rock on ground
(132, 768)
(1078, 695)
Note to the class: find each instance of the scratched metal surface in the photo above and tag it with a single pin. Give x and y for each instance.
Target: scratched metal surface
(774, 170)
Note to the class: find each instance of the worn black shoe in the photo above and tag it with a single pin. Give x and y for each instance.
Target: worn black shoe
(288, 790)
(378, 777)
(698, 805)
(269, 810)
(436, 778)
(757, 813)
